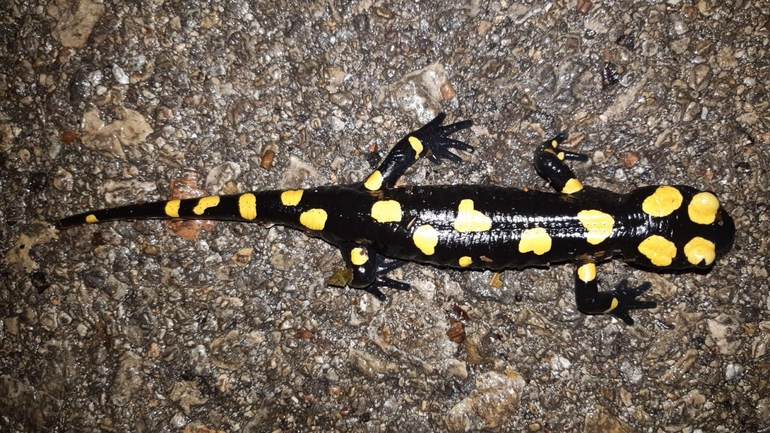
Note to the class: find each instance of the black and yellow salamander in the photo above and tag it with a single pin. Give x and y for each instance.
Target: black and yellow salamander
(379, 226)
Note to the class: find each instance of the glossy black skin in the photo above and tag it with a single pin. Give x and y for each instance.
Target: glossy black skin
(350, 225)
(511, 210)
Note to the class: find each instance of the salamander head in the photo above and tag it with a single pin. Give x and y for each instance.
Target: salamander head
(686, 228)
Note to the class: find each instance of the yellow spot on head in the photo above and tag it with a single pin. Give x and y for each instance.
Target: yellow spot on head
(386, 211)
(560, 155)
(314, 219)
(172, 208)
(426, 238)
(700, 250)
(205, 203)
(465, 261)
(291, 197)
(658, 249)
(572, 186)
(535, 240)
(613, 305)
(416, 145)
(91, 219)
(471, 220)
(554, 144)
(359, 256)
(374, 182)
(703, 208)
(598, 224)
(587, 272)
(662, 202)
(247, 206)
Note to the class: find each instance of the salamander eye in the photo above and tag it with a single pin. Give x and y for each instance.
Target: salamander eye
(718, 218)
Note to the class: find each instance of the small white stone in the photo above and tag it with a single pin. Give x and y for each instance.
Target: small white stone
(119, 74)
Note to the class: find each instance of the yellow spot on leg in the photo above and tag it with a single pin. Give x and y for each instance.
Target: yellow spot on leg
(314, 219)
(587, 272)
(426, 238)
(572, 186)
(659, 250)
(247, 206)
(358, 256)
(703, 208)
(172, 208)
(598, 224)
(291, 197)
(416, 145)
(386, 211)
(374, 182)
(535, 240)
(465, 261)
(613, 305)
(700, 250)
(471, 220)
(205, 203)
(91, 219)
(664, 201)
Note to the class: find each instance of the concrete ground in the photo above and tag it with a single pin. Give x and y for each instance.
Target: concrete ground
(147, 327)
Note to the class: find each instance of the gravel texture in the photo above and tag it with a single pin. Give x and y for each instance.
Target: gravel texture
(148, 327)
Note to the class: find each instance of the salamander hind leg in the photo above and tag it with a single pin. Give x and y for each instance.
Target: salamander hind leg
(618, 302)
(366, 271)
(549, 162)
(431, 141)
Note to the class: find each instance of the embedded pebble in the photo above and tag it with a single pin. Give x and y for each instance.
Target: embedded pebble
(495, 398)
(220, 175)
(120, 76)
(111, 138)
(76, 20)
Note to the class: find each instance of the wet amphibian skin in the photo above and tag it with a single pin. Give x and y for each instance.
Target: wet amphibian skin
(379, 226)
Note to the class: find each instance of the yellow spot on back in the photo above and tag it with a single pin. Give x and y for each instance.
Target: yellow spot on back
(598, 224)
(426, 238)
(465, 261)
(535, 240)
(374, 182)
(416, 145)
(205, 203)
(587, 272)
(91, 219)
(613, 305)
(314, 219)
(703, 208)
(658, 249)
(386, 211)
(662, 202)
(247, 206)
(700, 250)
(291, 197)
(172, 208)
(471, 220)
(572, 186)
(359, 256)
(560, 155)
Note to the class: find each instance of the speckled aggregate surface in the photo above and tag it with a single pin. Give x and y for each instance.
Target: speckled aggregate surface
(128, 327)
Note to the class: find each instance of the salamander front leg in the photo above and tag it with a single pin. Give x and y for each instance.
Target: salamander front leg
(617, 302)
(549, 162)
(431, 141)
(366, 271)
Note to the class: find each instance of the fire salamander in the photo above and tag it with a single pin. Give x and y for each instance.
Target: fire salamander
(379, 226)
